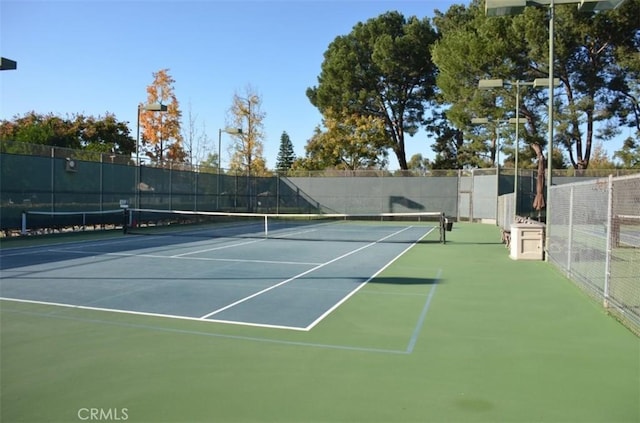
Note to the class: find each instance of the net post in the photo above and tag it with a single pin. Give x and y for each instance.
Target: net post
(266, 226)
(443, 228)
(23, 226)
(125, 220)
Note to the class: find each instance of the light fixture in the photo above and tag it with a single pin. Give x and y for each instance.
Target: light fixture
(8, 64)
(514, 7)
(499, 83)
(152, 107)
(230, 131)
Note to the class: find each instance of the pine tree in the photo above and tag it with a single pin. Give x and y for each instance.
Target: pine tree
(286, 155)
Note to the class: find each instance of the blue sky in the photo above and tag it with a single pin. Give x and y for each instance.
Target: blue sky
(94, 57)
(98, 56)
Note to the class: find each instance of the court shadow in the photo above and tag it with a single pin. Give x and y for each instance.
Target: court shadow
(405, 281)
(404, 202)
(475, 242)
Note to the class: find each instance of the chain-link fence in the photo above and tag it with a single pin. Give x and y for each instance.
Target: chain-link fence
(594, 236)
(37, 178)
(594, 231)
(52, 180)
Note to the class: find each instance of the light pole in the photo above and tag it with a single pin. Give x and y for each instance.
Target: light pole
(249, 149)
(499, 83)
(230, 131)
(152, 107)
(514, 7)
(484, 121)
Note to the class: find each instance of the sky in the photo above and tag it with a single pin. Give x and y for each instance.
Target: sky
(95, 57)
(98, 56)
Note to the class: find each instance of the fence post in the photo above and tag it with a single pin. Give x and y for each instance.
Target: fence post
(170, 185)
(53, 185)
(101, 181)
(23, 226)
(570, 240)
(610, 234)
(195, 188)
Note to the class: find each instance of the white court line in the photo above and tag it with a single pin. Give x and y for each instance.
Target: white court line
(244, 323)
(20, 251)
(222, 247)
(416, 331)
(339, 303)
(242, 300)
(187, 258)
(289, 234)
(205, 318)
(149, 314)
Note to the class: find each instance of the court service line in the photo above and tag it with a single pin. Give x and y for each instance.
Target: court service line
(313, 269)
(239, 244)
(91, 253)
(346, 297)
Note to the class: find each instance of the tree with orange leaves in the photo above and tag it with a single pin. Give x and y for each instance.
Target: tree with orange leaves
(161, 135)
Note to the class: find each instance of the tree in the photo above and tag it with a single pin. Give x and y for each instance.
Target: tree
(515, 48)
(105, 134)
(79, 132)
(209, 164)
(161, 136)
(246, 113)
(382, 69)
(286, 155)
(46, 129)
(195, 140)
(312, 160)
(419, 163)
(351, 142)
(600, 159)
(452, 152)
(629, 154)
(596, 82)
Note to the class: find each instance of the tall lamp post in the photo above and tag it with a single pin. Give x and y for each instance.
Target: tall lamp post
(249, 151)
(152, 107)
(514, 7)
(486, 84)
(484, 121)
(230, 131)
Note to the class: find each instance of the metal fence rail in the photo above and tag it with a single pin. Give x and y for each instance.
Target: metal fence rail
(595, 226)
(595, 240)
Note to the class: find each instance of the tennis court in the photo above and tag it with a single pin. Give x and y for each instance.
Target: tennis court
(234, 272)
(371, 322)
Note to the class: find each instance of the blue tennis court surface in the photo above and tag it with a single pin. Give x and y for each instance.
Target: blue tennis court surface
(283, 281)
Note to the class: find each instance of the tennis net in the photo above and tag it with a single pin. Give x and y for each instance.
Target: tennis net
(37, 222)
(320, 227)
